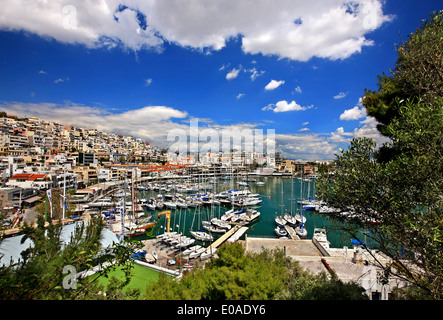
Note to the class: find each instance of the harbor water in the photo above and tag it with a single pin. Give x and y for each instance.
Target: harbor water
(273, 204)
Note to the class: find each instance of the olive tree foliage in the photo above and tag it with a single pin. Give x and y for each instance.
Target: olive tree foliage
(394, 194)
(41, 274)
(418, 73)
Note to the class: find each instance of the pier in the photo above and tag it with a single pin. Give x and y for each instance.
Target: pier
(223, 238)
(238, 234)
(291, 233)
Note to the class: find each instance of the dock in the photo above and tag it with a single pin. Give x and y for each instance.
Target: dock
(223, 238)
(238, 234)
(291, 233)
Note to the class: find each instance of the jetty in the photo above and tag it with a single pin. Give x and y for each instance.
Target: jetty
(291, 233)
(223, 238)
(238, 234)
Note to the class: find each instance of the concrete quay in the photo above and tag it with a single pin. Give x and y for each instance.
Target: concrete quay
(349, 264)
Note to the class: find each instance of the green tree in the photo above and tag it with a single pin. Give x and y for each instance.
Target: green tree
(418, 73)
(40, 272)
(237, 275)
(395, 192)
(398, 203)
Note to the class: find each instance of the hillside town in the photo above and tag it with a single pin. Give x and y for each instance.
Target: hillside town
(37, 155)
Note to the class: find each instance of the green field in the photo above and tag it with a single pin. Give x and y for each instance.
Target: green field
(141, 276)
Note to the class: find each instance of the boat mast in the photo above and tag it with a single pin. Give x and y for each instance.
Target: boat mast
(301, 202)
(64, 192)
(292, 193)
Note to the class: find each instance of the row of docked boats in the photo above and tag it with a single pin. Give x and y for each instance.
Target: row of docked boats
(292, 219)
(185, 245)
(238, 198)
(296, 221)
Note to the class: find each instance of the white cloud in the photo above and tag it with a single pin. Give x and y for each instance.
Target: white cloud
(148, 82)
(59, 80)
(354, 113)
(340, 135)
(341, 95)
(295, 29)
(240, 95)
(255, 73)
(274, 84)
(303, 129)
(284, 106)
(232, 74)
(306, 146)
(298, 90)
(369, 130)
(150, 122)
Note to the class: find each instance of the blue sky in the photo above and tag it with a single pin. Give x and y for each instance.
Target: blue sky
(142, 68)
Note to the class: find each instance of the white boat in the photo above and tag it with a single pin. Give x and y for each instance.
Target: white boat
(202, 236)
(151, 204)
(250, 201)
(220, 223)
(300, 218)
(301, 231)
(247, 217)
(182, 204)
(196, 253)
(290, 219)
(327, 209)
(320, 236)
(309, 207)
(183, 243)
(188, 251)
(211, 228)
(230, 213)
(280, 221)
(166, 234)
(172, 239)
(281, 231)
(170, 204)
(208, 253)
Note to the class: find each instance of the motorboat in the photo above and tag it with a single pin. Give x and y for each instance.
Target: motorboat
(321, 238)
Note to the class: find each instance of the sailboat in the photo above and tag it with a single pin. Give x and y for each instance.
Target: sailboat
(280, 231)
(300, 230)
(200, 234)
(221, 223)
(280, 221)
(197, 253)
(190, 250)
(208, 253)
(289, 217)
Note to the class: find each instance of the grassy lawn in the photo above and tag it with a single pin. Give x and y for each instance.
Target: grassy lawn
(141, 276)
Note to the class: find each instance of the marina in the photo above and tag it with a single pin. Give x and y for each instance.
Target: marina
(206, 207)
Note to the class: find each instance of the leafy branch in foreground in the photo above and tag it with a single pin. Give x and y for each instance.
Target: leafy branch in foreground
(40, 272)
